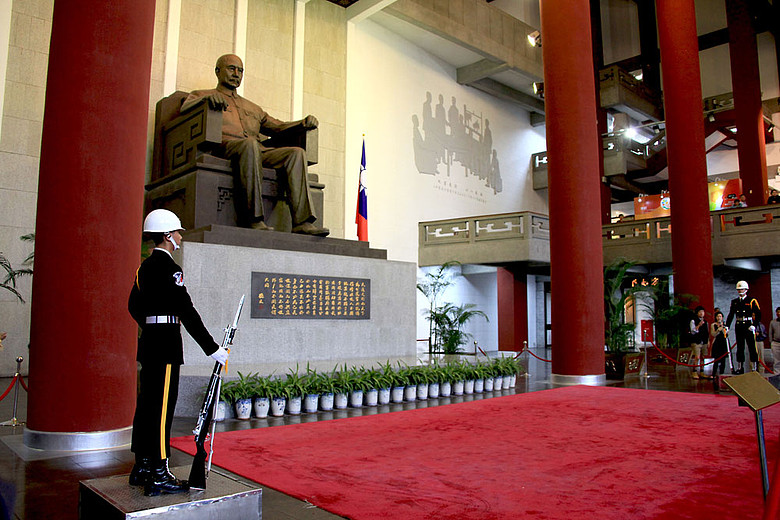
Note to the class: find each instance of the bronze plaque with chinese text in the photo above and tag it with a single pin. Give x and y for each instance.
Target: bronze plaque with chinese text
(299, 296)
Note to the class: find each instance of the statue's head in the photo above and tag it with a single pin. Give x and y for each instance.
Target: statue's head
(230, 71)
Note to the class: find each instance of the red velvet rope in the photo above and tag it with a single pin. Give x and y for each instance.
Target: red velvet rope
(21, 380)
(7, 390)
(728, 351)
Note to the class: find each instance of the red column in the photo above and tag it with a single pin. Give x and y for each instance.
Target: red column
(512, 309)
(573, 144)
(690, 215)
(90, 196)
(746, 84)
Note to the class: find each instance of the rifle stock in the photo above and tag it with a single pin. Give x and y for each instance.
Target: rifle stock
(198, 473)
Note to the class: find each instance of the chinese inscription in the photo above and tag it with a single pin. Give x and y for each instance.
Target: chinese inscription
(296, 296)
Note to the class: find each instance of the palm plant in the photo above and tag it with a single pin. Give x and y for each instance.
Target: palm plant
(617, 333)
(11, 274)
(434, 284)
(448, 321)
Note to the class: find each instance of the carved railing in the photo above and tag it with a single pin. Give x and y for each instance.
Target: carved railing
(508, 237)
(525, 237)
(736, 233)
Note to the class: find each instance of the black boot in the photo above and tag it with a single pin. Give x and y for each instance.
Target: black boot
(142, 470)
(162, 480)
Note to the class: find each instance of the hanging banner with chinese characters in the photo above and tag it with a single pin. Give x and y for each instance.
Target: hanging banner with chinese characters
(298, 296)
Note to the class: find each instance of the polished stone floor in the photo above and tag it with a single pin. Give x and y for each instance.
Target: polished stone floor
(46, 484)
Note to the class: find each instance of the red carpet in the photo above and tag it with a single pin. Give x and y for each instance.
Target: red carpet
(570, 453)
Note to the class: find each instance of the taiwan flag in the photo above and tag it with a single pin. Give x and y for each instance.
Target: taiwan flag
(361, 214)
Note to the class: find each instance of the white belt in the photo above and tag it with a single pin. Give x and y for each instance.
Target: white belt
(162, 319)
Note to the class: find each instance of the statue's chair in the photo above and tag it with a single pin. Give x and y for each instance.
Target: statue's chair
(188, 179)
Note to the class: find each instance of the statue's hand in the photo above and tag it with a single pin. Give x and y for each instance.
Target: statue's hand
(217, 101)
(310, 122)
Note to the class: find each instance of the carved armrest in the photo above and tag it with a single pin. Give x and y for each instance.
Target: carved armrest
(308, 139)
(181, 137)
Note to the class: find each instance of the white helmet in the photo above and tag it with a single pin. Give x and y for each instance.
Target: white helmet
(742, 284)
(162, 221)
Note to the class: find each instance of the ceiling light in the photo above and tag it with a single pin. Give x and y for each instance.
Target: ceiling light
(538, 88)
(535, 39)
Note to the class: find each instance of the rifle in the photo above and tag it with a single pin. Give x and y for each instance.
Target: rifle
(199, 470)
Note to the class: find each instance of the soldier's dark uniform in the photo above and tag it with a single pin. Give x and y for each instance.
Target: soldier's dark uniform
(743, 309)
(159, 303)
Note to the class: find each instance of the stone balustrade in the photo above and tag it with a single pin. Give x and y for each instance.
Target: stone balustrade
(525, 237)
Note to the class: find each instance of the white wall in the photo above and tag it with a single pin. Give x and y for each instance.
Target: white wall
(387, 81)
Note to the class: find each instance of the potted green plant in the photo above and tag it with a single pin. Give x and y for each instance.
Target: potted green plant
(240, 391)
(448, 321)
(375, 381)
(326, 387)
(420, 377)
(469, 376)
(434, 377)
(410, 390)
(311, 392)
(343, 381)
(618, 335)
(481, 371)
(396, 381)
(434, 284)
(279, 391)
(359, 385)
(262, 396)
(295, 391)
(384, 383)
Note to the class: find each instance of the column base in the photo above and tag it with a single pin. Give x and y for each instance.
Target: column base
(590, 380)
(77, 441)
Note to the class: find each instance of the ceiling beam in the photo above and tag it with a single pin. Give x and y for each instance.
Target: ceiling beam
(479, 70)
(506, 93)
(361, 10)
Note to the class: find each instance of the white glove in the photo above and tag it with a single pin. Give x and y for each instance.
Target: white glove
(221, 355)
(752, 328)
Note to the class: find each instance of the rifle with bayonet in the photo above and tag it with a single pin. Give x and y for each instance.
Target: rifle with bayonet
(200, 469)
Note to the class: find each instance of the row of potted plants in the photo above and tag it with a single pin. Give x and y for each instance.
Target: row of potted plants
(345, 386)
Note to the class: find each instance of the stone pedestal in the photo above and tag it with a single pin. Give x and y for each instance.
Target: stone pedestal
(112, 499)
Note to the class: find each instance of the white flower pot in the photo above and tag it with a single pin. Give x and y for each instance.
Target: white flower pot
(326, 402)
(433, 390)
(310, 403)
(445, 390)
(468, 386)
(372, 397)
(513, 381)
(479, 386)
(340, 401)
(356, 398)
(278, 405)
(384, 396)
(422, 391)
(243, 409)
(457, 388)
(222, 409)
(410, 392)
(261, 407)
(497, 383)
(488, 384)
(294, 405)
(505, 380)
(397, 394)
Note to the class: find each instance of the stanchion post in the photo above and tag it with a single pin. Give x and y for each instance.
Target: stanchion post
(17, 381)
(762, 451)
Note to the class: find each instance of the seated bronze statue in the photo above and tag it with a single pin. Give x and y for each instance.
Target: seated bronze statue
(243, 125)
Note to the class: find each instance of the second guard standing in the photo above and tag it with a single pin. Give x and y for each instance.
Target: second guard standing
(743, 308)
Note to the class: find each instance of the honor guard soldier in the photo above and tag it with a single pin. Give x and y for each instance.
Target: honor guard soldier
(160, 304)
(743, 308)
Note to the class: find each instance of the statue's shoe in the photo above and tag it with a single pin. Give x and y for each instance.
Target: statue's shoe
(262, 226)
(307, 228)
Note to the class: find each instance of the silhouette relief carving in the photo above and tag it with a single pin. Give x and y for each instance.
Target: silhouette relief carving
(449, 136)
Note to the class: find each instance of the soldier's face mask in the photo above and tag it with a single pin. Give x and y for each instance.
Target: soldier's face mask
(742, 292)
(172, 240)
